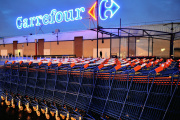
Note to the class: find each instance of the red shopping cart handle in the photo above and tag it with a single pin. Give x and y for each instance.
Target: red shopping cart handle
(159, 69)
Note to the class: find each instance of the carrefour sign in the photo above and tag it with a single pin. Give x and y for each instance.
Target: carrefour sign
(56, 16)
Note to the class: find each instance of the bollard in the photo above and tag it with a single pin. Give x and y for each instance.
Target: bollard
(5, 56)
(40, 58)
(56, 57)
(31, 56)
(2, 56)
(15, 56)
(8, 56)
(11, 56)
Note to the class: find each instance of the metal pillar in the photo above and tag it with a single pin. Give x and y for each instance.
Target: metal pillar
(172, 42)
(3, 42)
(120, 22)
(128, 45)
(148, 45)
(135, 46)
(97, 26)
(36, 49)
(172, 46)
(57, 39)
(119, 43)
(119, 39)
(110, 44)
(119, 47)
(152, 46)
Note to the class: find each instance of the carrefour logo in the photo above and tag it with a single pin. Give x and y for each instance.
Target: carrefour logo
(103, 8)
(69, 15)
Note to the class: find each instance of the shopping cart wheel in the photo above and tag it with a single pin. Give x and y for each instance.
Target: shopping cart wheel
(57, 118)
(38, 113)
(43, 111)
(2, 103)
(13, 106)
(20, 108)
(29, 110)
(2, 98)
(28, 118)
(47, 116)
(34, 108)
(73, 118)
(52, 113)
(8, 103)
(62, 116)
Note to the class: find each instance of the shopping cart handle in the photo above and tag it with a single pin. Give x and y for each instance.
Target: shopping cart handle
(49, 63)
(40, 63)
(100, 66)
(20, 62)
(86, 65)
(117, 67)
(13, 62)
(30, 62)
(72, 65)
(137, 68)
(6, 61)
(59, 64)
(159, 69)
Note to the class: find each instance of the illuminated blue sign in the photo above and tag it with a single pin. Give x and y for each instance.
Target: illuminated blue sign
(68, 15)
(103, 8)
(54, 17)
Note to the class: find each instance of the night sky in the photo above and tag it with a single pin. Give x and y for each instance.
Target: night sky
(131, 12)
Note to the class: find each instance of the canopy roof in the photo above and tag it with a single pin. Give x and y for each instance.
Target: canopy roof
(161, 31)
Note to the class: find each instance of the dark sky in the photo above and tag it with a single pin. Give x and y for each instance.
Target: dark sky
(131, 11)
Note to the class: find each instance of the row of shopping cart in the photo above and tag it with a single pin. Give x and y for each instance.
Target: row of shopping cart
(75, 88)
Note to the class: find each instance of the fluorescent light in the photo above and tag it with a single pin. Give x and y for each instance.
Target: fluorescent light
(163, 49)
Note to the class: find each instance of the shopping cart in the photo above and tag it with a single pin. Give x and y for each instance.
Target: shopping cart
(93, 88)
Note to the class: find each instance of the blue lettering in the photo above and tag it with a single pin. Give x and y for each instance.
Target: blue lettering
(31, 21)
(68, 15)
(37, 18)
(25, 23)
(78, 11)
(19, 20)
(59, 17)
(45, 19)
(52, 14)
(54, 17)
